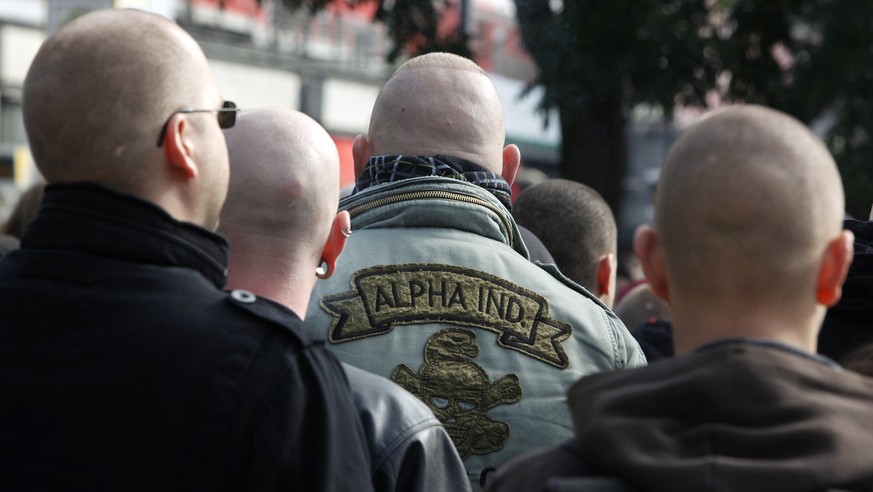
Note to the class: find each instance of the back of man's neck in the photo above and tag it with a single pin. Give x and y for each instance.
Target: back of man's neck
(285, 287)
(691, 333)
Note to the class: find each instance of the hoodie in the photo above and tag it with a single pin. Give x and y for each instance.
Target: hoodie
(738, 415)
(733, 416)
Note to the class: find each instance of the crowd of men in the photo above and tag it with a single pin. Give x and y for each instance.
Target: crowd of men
(195, 308)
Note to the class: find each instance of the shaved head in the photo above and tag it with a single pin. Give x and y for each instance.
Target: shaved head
(747, 203)
(282, 200)
(99, 91)
(439, 104)
(284, 177)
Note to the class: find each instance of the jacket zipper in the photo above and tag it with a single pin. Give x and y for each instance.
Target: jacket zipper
(416, 195)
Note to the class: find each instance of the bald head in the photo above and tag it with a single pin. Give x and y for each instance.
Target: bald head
(99, 91)
(439, 104)
(747, 203)
(284, 185)
(281, 210)
(573, 221)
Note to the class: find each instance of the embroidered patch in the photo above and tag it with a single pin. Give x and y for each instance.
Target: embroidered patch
(385, 296)
(459, 391)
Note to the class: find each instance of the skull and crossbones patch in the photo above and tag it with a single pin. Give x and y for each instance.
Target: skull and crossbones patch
(460, 392)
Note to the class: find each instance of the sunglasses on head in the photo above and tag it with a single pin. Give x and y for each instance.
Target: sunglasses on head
(226, 117)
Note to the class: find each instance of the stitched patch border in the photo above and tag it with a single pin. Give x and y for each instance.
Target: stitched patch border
(386, 296)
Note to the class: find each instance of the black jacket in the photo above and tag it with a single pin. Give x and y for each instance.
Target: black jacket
(124, 366)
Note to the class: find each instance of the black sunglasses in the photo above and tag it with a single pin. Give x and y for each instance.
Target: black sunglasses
(226, 117)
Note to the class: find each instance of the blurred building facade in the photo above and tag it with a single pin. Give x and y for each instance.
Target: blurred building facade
(329, 64)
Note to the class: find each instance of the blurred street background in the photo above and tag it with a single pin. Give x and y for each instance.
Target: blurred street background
(594, 90)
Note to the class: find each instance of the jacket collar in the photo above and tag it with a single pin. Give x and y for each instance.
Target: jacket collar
(389, 168)
(434, 202)
(92, 219)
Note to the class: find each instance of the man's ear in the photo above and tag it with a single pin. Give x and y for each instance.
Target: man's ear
(511, 162)
(648, 249)
(361, 153)
(835, 265)
(179, 147)
(605, 274)
(340, 230)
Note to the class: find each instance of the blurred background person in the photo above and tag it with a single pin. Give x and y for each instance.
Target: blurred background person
(577, 228)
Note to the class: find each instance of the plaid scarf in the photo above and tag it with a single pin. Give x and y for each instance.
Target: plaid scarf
(390, 168)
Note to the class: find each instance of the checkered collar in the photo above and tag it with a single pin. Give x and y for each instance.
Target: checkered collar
(390, 168)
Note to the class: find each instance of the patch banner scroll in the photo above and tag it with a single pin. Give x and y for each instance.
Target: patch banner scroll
(387, 296)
